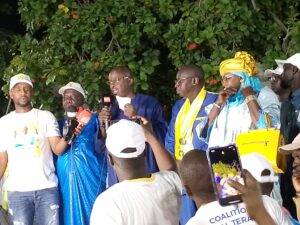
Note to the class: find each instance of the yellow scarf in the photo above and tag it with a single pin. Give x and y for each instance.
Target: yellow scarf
(184, 124)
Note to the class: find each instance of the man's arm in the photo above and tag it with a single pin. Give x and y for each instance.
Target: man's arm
(58, 145)
(3, 163)
(163, 158)
(251, 195)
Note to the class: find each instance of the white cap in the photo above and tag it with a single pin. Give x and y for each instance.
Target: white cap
(19, 78)
(255, 163)
(278, 71)
(294, 60)
(125, 134)
(73, 86)
(295, 145)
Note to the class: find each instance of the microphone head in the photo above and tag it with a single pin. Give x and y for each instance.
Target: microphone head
(71, 111)
(106, 100)
(83, 116)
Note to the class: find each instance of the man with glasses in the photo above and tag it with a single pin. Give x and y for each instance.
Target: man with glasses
(290, 122)
(188, 126)
(130, 105)
(81, 169)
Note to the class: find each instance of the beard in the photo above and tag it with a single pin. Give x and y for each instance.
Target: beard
(286, 84)
(23, 102)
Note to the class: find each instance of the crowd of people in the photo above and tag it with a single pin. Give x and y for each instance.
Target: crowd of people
(127, 165)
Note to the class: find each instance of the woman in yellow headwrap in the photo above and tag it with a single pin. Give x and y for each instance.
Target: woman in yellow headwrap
(243, 102)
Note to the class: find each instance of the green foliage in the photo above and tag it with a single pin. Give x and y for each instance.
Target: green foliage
(83, 40)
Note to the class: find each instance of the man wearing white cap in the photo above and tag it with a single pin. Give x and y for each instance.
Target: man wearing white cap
(140, 198)
(290, 121)
(81, 170)
(275, 79)
(28, 138)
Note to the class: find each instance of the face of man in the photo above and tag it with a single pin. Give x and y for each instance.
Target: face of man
(231, 81)
(290, 77)
(275, 82)
(120, 84)
(184, 83)
(21, 94)
(72, 98)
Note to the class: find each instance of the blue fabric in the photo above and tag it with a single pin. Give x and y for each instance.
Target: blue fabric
(248, 81)
(148, 107)
(293, 221)
(295, 99)
(188, 206)
(238, 98)
(82, 173)
(200, 124)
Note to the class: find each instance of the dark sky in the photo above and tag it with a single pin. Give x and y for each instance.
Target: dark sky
(9, 17)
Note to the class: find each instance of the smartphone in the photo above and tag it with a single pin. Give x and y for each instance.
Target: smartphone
(225, 164)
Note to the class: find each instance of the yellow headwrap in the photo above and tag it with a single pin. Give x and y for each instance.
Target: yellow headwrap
(242, 62)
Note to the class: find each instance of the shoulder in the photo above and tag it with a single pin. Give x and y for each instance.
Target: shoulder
(147, 98)
(267, 96)
(211, 96)
(7, 117)
(112, 192)
(266, 92)
(169, 177)
(178, 103)
(44, 113)
(205, 212)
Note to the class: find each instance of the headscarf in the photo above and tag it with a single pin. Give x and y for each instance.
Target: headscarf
(242, 62)
(244, 66)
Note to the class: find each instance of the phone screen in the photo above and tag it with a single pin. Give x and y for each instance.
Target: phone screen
(225, 165)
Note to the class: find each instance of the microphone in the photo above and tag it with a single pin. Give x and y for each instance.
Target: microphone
(83, 116)
(70, 124)
(106, 102)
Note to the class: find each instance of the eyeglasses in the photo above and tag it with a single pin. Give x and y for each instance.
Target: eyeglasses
(118, 80)
(180, 80)
(226, 78)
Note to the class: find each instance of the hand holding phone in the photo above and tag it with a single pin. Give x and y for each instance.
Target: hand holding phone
(225, 166)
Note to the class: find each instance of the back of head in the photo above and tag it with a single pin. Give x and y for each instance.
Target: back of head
(195, 173)
(125, 142)
(193, 71)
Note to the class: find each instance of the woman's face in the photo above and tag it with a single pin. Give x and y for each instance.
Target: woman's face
(230, 80)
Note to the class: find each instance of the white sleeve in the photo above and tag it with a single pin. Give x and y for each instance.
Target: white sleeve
(52, 129)
(275, 211)
(208, 108)
(105, 212)
(174, 179)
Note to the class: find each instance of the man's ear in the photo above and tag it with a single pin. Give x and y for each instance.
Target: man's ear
(111, 160)
(188, 190)
(195, 81)
(10, 95)
(131, 80)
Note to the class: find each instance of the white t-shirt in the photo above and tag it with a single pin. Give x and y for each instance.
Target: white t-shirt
(30, 161)
(214, 214)
(146, 201)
